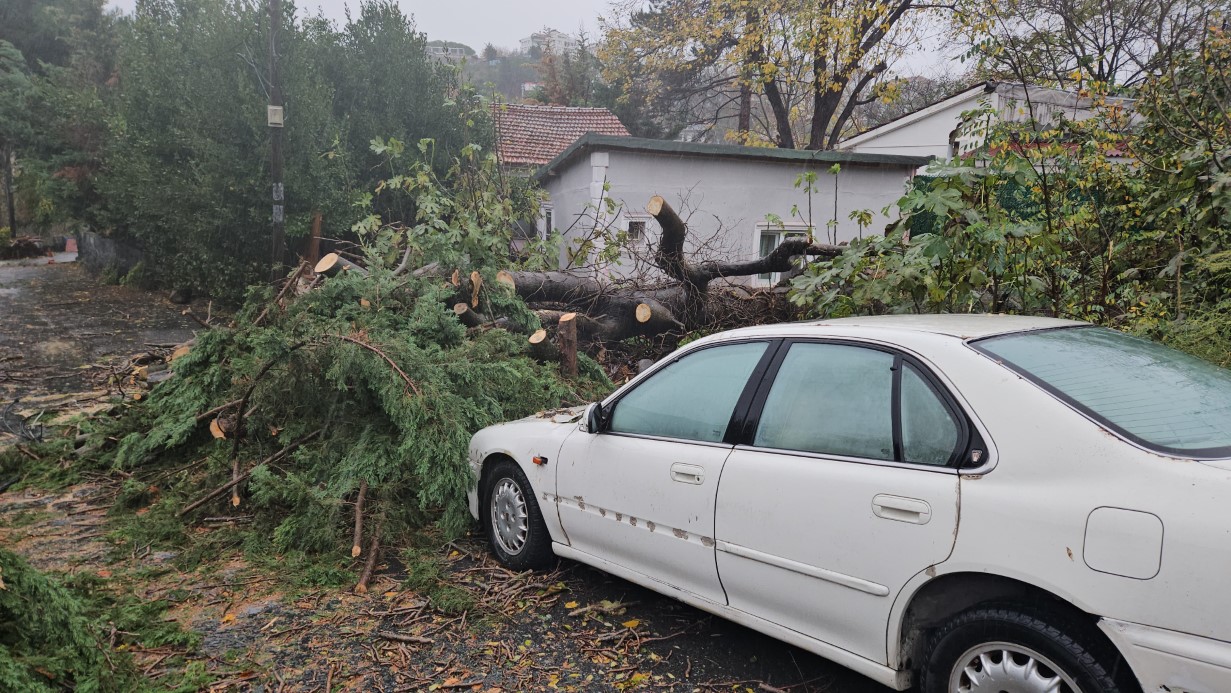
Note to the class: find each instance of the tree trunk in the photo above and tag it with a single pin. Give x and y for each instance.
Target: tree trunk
(567, 333)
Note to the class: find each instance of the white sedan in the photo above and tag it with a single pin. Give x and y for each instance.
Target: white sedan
(960, 503)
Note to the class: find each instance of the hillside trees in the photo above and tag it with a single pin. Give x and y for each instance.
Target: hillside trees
(793, 71)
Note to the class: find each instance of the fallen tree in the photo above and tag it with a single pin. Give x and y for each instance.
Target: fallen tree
(686, 296)
(680, 295)
(334, 412)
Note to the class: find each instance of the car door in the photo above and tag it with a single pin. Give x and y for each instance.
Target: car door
(640, 491)
(846, 489)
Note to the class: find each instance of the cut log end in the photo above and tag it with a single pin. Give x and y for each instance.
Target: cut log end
(216, 430)
(538, 337)
(355, 551)
(644, 312)
(476, 283)
(505, 277)
(655, 205)
(326, 263)
(332, 263)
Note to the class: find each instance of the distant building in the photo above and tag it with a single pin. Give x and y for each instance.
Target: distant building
(450, 54)
(527, 88)
(558, 41)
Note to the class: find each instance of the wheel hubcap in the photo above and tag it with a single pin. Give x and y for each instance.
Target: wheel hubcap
(510, 520)
(1001, 667)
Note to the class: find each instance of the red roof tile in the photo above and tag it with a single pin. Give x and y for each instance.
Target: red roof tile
(534, 135)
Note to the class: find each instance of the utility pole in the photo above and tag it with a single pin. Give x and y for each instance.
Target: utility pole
(275, 118)
(8, 190)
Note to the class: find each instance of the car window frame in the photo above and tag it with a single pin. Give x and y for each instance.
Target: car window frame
(742, 403)
(969, 437)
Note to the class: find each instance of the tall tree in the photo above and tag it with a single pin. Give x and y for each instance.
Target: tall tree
(1069, 44)
(14, 119)
(795, 70)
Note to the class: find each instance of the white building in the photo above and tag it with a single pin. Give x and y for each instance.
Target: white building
(739, 202)
(935, 131)
(558, 41)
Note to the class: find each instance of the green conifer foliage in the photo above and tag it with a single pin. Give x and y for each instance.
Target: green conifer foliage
(374, 363)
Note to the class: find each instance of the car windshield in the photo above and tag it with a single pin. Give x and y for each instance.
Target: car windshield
(1156, 396)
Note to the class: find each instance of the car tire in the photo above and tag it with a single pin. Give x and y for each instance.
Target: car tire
(968, 653)
(512, 519)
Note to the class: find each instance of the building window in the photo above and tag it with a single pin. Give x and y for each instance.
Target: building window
(548, 222)
(635, 228)
(769, 237)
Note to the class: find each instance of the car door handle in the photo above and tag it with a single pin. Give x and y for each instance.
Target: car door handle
(687, 473)
(902, 509)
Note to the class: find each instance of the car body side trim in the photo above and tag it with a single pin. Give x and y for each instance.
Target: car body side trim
(835, 577)
(886, 676)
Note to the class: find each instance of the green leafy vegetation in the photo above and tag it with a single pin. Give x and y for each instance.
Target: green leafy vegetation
(71, 633)
(1118, 219)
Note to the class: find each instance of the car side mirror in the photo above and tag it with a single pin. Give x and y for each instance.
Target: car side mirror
(594, 417)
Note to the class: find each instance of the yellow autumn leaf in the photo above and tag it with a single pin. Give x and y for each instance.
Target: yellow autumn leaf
(228, 618)
(631, 623)
(570, 605)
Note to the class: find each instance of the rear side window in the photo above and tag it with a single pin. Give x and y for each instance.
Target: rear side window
(692, 398)
(1153, 395)
(930, 432)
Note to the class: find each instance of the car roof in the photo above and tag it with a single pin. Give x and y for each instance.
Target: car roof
(964, 326)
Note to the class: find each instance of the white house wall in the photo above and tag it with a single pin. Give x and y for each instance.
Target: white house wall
(725, 199)
(925, 137)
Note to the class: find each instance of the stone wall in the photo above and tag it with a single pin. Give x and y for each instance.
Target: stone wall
(97, 254)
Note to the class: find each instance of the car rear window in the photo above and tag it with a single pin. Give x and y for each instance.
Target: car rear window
(1155, 396)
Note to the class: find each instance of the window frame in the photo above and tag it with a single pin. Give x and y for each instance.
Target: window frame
(548, 220)
(1082, 410)
(969, 438)
(742, 403)
(783, 230)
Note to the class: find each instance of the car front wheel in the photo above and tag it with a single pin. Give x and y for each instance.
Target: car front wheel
(513, 521)
(1005, 649)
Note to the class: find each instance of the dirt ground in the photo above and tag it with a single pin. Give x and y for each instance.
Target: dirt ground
(573, 628)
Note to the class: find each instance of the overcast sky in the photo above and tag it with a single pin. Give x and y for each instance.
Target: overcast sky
(505, 22)
(475, 22)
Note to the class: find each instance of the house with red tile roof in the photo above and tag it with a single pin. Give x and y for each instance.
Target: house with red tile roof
(529, 136)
